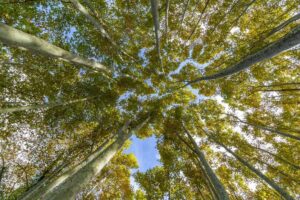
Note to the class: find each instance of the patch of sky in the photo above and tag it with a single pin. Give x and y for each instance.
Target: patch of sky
(46, 99)
(69, 33)
(142, 55)
(146, 153)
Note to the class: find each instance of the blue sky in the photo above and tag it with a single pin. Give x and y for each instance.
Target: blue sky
(146, 154)
(145, 151)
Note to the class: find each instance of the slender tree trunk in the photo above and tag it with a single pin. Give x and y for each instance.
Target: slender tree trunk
(69, 183)
(271, 183)
(221, 192)
(281, 26)
(184, 12)
(199, 20)
(48, 105)
(278, 157)
(15, 37)
(288, 41)
(278, 90)
(98, 24)
(167, 16)
(267, 128)
(94, 21)
(154, 9)
(61, 169)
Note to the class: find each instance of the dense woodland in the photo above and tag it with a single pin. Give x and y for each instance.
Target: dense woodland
(217, 82)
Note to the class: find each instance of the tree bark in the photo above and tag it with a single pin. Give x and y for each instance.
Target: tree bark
(220, 190)
(97, 24)
(282, 25)
(154, 9)
(49, 105)
(271, 183)
(167, 16)
(184, 12)
(199, 19)
(267, 129)
(288, 41)
(278, 157)
(15, 37)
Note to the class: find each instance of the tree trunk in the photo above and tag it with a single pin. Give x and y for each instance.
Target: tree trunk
(282, 192)
(199, 19)
(288, 41)
(69, 183)
(154, 9)
(167, 16)
(96, 23)
(282, 25)
(184, 12)
(15, 37)
(220, 190)
(49, 105)
(267, 128)
(278, 157)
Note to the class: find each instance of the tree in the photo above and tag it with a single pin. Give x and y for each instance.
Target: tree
(73, 73)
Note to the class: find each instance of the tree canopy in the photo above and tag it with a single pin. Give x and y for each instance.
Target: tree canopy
(217, 82)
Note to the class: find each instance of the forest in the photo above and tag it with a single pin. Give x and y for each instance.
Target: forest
(216, 83)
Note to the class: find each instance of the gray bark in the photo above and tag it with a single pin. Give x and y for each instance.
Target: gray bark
(271, 183)
(15, 37)
(288, 41)
(49, 105)
(94, 21)
(267, 129)
(282, 25)
(218, 186)
(167, 15)
(278, 157)
(154, 9)
(199, 19)
(184, 12)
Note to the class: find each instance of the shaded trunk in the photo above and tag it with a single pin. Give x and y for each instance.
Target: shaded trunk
(154, 10)
(282, 25)
(270, 182)
(184, 12)
(267, 128)
(278, 157)
(96, 23)
(288, 41)
(167, 16)
(15, 37)
(48, 105)
(199, 19)
(278, 90)
(218, 186)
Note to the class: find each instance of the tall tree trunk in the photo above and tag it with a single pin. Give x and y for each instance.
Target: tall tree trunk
(15, 37)
(184, 12)
(167, 16)
(199, 20)
(281, 26)
(154, 9)
(278, 157)
(220, 190)
(267, 128)
(288, 41)
(48, 105)
(61, 169)
(98, 24)
(271, 183)
(67, 185)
